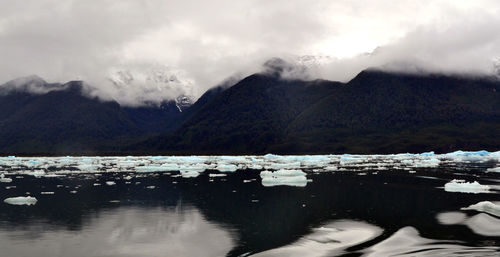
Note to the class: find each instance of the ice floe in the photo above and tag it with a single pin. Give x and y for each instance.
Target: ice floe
(193, 166)
(461, 186)
(3, 179)
(21, 200)
(284, 178)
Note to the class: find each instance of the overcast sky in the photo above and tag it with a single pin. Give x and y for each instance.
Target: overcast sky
(205, 42)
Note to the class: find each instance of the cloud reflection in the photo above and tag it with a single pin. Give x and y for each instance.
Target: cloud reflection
(127, 232)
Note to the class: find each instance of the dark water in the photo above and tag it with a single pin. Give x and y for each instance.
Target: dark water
(388, 213)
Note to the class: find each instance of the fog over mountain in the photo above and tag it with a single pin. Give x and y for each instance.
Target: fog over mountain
(147, 51)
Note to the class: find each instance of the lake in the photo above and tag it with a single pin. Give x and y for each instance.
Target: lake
(331, 205)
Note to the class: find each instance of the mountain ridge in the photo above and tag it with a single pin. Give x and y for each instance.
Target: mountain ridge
(375, 112)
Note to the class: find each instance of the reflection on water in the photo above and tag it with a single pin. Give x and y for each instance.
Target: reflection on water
(327, 240)
(484, 224)
(408, 242)
(124, 231)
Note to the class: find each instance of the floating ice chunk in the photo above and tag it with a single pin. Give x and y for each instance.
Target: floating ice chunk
(283, 173)
(170, 167)
(284, 177)
(298, 181)
(193, 169)
(127, 178)
(212, 175)
(331, 168)
(46, 193)
(21, 200)
(496, 169)
(3, 179)
(190, 174)
(485, 206)
(479, 156)
(427, 163)
(461, 186)
(36, 173)
(110, 183)
(155, 168)
(88, 167)
(428, 153)
(224, 167)
(73, 192)
(151, 187)
(255, 167)
(350, 160)
(277, 166)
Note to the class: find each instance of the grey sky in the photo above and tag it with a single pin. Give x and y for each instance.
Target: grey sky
(204, 42)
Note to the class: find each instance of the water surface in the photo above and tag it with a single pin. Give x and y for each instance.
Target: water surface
(370, 207)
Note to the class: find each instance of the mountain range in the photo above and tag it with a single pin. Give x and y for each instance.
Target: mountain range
(375, 112)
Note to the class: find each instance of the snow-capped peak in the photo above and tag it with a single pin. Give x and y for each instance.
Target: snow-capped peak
(151, 85)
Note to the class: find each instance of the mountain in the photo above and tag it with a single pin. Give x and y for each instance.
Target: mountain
(148, 85)
(268, 112)
(376, 112)
(41, 118)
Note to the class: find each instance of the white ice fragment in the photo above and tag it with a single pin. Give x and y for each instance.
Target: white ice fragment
(485, 206)
(199, 167)
(282, 173)
(153, 168)
(461, 186)
(3, 179)
(299, 181)
(36, 173)
(150, 187)
(224, 167)
(73, 192)
(88, 167)
(349, 160)
(427, 163)
(212, 175)
(190, 174)
(97, 184)
(110, 183)
(127, 178)
(46, 193)
(331, 168)
(21, 200)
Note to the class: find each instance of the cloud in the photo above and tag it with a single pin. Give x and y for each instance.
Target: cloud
(204, 42)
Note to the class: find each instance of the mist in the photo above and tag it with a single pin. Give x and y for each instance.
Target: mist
(148, 51)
